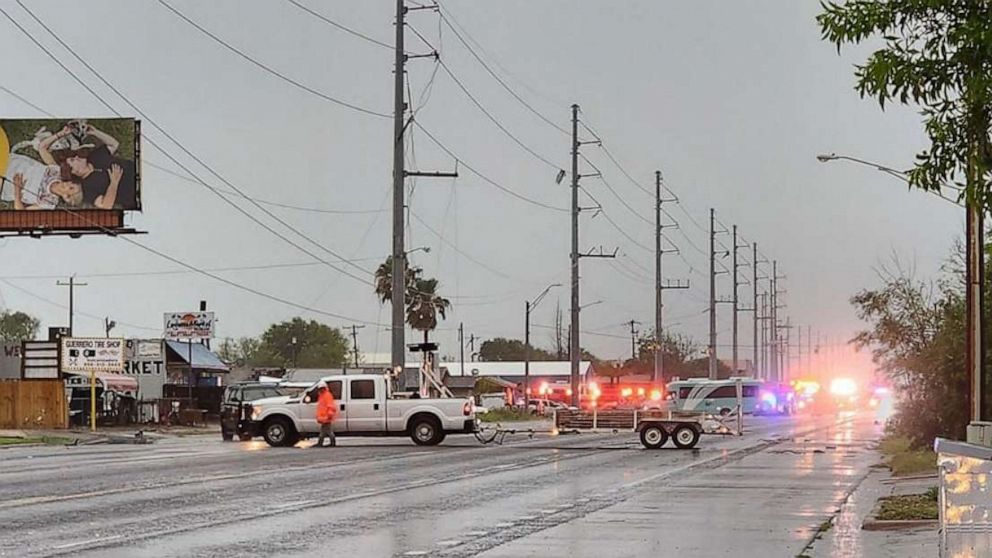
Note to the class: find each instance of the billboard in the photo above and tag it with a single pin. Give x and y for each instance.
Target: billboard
(189, 325)
(68, 166)
(92, 354)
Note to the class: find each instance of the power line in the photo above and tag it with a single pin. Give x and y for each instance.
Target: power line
(447, 19)
(496, 122)
(268, 202)
(337, 25)
(485, 178)
(80, 312)
(464, 254)
(267, 68)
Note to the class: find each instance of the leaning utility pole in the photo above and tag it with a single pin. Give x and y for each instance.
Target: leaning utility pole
(712, 346)
(72, 284)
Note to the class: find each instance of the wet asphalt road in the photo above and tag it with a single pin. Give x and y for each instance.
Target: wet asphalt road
(368, 497)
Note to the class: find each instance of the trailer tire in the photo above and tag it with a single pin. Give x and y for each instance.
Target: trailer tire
(425, 430)
(653, 436)
(685, 437)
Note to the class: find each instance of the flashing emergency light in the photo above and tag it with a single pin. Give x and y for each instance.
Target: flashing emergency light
(640, 392)
(626, 392)
(656, 395)
(844, 387)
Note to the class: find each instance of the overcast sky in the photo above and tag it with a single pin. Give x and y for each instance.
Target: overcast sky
(731, 100)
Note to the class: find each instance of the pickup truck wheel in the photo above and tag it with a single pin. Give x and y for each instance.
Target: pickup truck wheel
(685, 437)
(278, 432)
(653, 436)
(426, 431)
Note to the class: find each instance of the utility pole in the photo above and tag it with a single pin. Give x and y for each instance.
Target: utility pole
(736, 368)
(461, 346)
(573, 326)
(809, 351)
(658, 304)
(633, 339)
(575, 346)
(398, 293)
(354, 340)
(399, 259)
(712, 347)
(774, 326)
(659, 284)
(471, 346)
(799, 352)
(757, 317)
(764, 335)
(108, 325)
(72, 284)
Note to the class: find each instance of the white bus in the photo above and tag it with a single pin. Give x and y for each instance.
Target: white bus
(714, 396)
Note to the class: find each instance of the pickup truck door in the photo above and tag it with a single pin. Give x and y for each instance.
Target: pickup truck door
(308, 408)
(366, 406)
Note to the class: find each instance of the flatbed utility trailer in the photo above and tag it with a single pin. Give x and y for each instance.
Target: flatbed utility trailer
(653, 426)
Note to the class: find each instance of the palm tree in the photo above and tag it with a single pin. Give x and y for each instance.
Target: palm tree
(424, 305)
(384, 279)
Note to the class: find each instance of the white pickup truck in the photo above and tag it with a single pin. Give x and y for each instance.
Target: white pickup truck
(366, 407)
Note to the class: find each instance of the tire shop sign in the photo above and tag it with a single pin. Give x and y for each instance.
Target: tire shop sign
(92, 354)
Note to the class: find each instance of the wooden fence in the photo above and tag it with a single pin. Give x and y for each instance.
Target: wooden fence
(33, 404)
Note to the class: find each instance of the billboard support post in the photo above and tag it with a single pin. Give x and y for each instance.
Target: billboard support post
(189, 390)
(92, 400)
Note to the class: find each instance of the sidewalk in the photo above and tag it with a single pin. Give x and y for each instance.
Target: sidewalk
(759, 503)
(847, 539)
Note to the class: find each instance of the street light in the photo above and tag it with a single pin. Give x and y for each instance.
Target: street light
(974, 300)
(528, 306)
(901, 175)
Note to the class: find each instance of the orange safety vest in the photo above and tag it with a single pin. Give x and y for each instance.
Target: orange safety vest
(327, 409)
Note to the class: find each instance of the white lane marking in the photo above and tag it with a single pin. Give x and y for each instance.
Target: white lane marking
(481, 533)
(415, 553)
(287, 505)
(88, 541)
(449, 543)
(549, 512)
(528, 517)
(505, 524)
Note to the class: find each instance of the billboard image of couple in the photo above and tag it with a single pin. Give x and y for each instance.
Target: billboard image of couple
(69, 164)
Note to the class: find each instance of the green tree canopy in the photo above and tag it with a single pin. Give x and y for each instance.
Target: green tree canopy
(936, 54)
(424, 305)
(317, 345)
(916, 334)
(510, 350)
(18, 326)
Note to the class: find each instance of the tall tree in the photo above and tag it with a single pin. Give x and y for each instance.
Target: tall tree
(317, 345)
(936, 54)
(18, 326)
(243, 351)
(501, 349)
